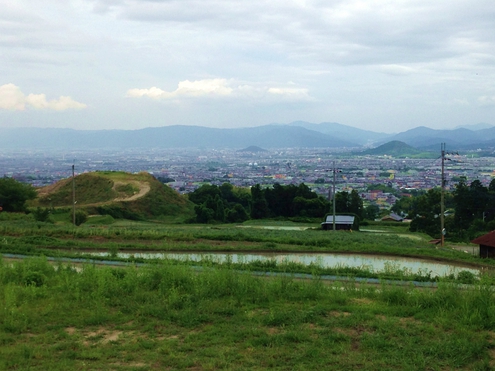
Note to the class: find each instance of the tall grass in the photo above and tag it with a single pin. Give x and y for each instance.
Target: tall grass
(57, 318)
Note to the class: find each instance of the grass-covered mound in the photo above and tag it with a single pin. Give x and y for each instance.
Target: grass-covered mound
(115, 193)
(90, 188)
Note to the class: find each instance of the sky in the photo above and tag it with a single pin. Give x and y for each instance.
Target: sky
(381, 65)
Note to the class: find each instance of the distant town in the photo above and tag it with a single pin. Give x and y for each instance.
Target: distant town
(185, 170)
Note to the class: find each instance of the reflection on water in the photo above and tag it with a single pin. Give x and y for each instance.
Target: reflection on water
(371, 262)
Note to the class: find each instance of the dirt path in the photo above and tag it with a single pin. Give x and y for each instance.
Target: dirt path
(144, 188)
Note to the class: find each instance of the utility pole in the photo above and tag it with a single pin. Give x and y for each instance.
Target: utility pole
(73, 197)
(335, 170)
(442, 199)
(333, 201)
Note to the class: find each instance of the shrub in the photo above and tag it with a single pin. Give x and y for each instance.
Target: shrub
(81, 217)
(41, 215)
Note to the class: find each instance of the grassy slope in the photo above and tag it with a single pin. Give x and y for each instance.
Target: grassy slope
(107, 188)
(169, 317)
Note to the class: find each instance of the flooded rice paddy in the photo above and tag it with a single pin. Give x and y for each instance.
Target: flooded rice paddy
(373, 263)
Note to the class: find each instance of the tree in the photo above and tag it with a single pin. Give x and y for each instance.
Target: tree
(463, 208)
(478, 197)
(220, 209)
(259, 207)
(313, 208)
(227, 192)
(204, 214)
(342, 202)
(371, 212)
(426, 213)
(81, 217)
(14, 194)
(237, 214)
(221, 204)
(279, 199)
(490, 206)
(403, 205)
(346, 202)
(200, 195)
(356, 204)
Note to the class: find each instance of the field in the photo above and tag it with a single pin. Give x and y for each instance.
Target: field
(171, 315)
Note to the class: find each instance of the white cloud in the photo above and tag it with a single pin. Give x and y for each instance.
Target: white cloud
(220, 88)
(487, 100)
(294, 93)
(204, 87)
(12, 98)
(208, 87)
(153, 92)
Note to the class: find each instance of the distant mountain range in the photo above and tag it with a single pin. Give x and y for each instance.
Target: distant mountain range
(298, 134)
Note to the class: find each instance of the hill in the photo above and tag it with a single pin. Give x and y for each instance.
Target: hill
(252, 149)
(119, 194)
(394, 148)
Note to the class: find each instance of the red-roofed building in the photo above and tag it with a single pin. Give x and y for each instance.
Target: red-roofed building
(487, 245)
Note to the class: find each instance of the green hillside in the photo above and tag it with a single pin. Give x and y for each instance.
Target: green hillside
(119, 194)
(396, 148)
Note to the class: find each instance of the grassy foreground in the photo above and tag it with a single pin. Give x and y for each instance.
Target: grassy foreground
(171, 317)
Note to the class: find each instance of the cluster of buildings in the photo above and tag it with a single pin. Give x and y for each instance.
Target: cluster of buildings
(186, 169)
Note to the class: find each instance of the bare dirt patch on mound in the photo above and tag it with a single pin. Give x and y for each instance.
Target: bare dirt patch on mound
(144, 188)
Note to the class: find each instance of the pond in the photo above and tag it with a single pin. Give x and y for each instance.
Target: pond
(376, 263)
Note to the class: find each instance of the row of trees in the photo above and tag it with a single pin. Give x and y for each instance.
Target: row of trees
(227, 203)
(470, 210)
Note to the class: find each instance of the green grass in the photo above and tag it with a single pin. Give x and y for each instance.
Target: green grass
(101, 232)
(91, 188)
(105, 193)
(170, 317)
(25, 236)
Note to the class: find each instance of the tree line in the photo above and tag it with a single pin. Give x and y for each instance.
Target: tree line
(226, 203)
(469, 210)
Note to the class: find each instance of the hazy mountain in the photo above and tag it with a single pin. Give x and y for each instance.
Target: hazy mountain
(252, 149)
(423, 137)
(475, 127)
(394, 148)
(344, 132)
(268, 136)
(298, 134)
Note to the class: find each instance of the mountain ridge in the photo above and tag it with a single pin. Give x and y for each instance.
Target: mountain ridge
(297, 134)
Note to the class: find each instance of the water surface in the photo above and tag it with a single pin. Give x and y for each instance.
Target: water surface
(376, 263)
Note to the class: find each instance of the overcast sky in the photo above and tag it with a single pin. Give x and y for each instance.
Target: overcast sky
(382, 65)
